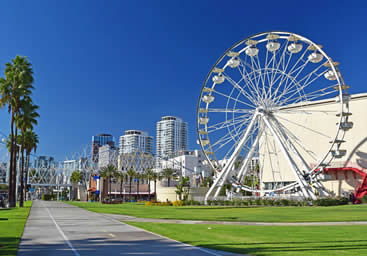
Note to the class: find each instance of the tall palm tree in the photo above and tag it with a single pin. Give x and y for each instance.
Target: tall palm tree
(109, 172)
(30, 144)
(131, 173)
(25, 121)
(75, 178)
(168, 174)
(155, 177)
(148, 175)
(15, 87)
(120, 177)
(138, 177)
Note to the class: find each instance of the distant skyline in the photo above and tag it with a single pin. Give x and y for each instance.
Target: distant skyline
(107, 67)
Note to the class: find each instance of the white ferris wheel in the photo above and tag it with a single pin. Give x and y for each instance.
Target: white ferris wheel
(262, 100)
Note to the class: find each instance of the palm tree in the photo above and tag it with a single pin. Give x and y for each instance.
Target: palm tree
(15, 87)
(131, 173)
(168, 174)
(109, 172)
(25, 121)
(155, 176)
(75, 178)
(30, 144)
(120, 177)
(138, 177)
(148, 174)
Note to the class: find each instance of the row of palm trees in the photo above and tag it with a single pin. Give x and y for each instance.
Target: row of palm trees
(16, 94)
(110, 172)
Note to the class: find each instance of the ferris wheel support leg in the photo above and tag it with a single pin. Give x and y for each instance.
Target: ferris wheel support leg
(302, 183)
(298, 155)
(227, 169)
(244, 167)
(234, 156)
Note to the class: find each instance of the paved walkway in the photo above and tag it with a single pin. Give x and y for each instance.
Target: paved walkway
(131, 218)
(55, 228)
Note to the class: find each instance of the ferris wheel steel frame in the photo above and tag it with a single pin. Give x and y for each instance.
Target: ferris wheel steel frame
(263, 103)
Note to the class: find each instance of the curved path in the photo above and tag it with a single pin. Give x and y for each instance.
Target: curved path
(131, 218)
(55, 228)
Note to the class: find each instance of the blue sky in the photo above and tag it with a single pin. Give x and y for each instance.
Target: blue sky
(109, 66)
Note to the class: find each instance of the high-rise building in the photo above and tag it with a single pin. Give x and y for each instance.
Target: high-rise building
(99, 141)
(44, 162)
(136, 141)
(107, 155)
(171, 136)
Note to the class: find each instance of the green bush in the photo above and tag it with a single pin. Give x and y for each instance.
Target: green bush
(284, 202)
(258, 201)
(48, 197)
(364, 199)
(330, 201)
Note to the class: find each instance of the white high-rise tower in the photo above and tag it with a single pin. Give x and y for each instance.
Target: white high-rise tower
(171, 136)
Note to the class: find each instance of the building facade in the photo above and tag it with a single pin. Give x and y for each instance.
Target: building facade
(99, 141)
(44, 162)
(340, 182)
(107, 155)
(171, 136)
(135, 141)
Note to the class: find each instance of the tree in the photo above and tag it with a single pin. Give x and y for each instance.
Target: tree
(25, 121)
(75, 178)
(109, 172)
(183, 183)
(30, 144)
(155, 177)
(168, 174)
(149, 174)
(138, 176)
(14, 88)
(131, 173)
(120, 177)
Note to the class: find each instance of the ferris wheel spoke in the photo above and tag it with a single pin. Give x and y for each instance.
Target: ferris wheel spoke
(298, 142)
(315, 95)
(231, 98)
(239, 88)
(227, 124)
(304, 127)
(227, 110)
(298, 90)
(248, 81)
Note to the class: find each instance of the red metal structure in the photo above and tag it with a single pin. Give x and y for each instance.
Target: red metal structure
(361, 190)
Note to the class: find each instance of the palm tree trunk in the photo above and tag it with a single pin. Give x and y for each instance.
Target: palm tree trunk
(121, 189)
(169, 181)
(15, 152)
(11, 174)
(130, 180)
(137, 190)
(155, 189)
(26, 175)
(109, 181)
(21, 202)
(149, 189)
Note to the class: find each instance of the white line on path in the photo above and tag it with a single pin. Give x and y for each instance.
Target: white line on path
(62, 233)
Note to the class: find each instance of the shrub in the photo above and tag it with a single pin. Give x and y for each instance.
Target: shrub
(258, 201)
(209, 202)
(48, 197)
(330, 201)
(245, 203)
(227, 202)
(277, 202)
(178, 203)
(284, 202)
(364, 199)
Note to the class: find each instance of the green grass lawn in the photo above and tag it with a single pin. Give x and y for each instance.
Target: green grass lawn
(268, 240)
(12, 223)
(263, 214)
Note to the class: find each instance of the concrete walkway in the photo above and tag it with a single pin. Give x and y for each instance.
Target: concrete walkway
(55, 228)
(131, 218)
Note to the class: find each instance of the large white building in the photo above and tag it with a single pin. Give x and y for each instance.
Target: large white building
(135, 141)
(107, 155)
(171, 136)
(315, 134)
